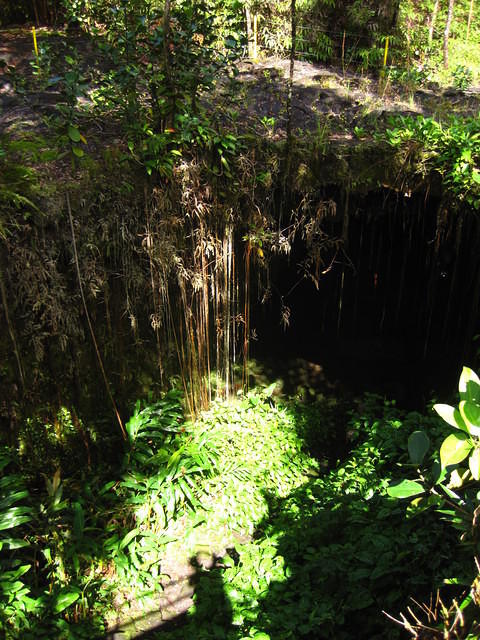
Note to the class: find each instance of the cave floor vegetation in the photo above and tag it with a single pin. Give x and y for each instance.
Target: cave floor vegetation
(267, 517)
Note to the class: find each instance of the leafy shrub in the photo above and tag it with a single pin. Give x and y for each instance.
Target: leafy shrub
(15, 513)
(452, 149)
(451, 485)
(92, 534)
(462, 77)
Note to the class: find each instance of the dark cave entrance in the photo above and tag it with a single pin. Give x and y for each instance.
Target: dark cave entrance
(395, 312)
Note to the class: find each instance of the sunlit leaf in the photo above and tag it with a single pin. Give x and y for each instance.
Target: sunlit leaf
(470, 412)
(474, 464)
(78, 152)
(405, 489)
(451, 415)
(64, 600)
(128, 538)
(469, 385)
(454, 449)
(14, 517)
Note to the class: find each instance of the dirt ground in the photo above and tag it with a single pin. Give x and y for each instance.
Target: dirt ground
(330, 103)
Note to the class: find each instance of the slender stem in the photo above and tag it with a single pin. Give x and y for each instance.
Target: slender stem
(90, 326)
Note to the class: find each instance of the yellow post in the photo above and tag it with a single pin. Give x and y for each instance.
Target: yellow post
(386, 52)
(34, 34)
(255, 24)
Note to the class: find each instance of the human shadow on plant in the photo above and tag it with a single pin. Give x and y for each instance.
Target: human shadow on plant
(208, 615)
(327, 559)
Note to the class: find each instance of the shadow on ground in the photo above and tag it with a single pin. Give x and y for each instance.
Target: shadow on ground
(325, 562)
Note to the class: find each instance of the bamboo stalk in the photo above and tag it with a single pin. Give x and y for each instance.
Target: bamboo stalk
(470, 18)
(152, 284)
(246, 337)
(433, 19)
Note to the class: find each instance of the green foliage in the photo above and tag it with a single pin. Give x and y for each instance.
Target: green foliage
(451, 149)
(18, 180)
(301, 536)
(48, 445)
(15, 513)
(329, 550)
(462, 76)
(165, 463)
(451, 484)
(84, 527)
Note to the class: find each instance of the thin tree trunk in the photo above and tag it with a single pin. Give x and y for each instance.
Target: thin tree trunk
(396, 11)
(446, 33)
(248, 20)
(470, 18)
(35, 10)
(433, 19)
(167, 61)
(292, 68)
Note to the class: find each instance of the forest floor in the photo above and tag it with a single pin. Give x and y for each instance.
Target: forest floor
(334, 104)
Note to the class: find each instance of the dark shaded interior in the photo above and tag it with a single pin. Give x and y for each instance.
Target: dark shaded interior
(395, 312)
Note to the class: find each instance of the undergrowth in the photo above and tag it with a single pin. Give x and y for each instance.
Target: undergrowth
(298, 550)
(329, 551)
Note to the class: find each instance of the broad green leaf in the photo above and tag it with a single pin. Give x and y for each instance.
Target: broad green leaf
(457, 478)
(64, 599)
(469, 385)
(11, 498)
(14, 517)
(261, 636)
(78, 152)
(418, 444)
(13, 543)
(451, 415)
(74, 134)
(128, 538)
(474, 463)
(470, 412)
(20, 571)
(405, 489)
(175, 457)
(454, 449)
